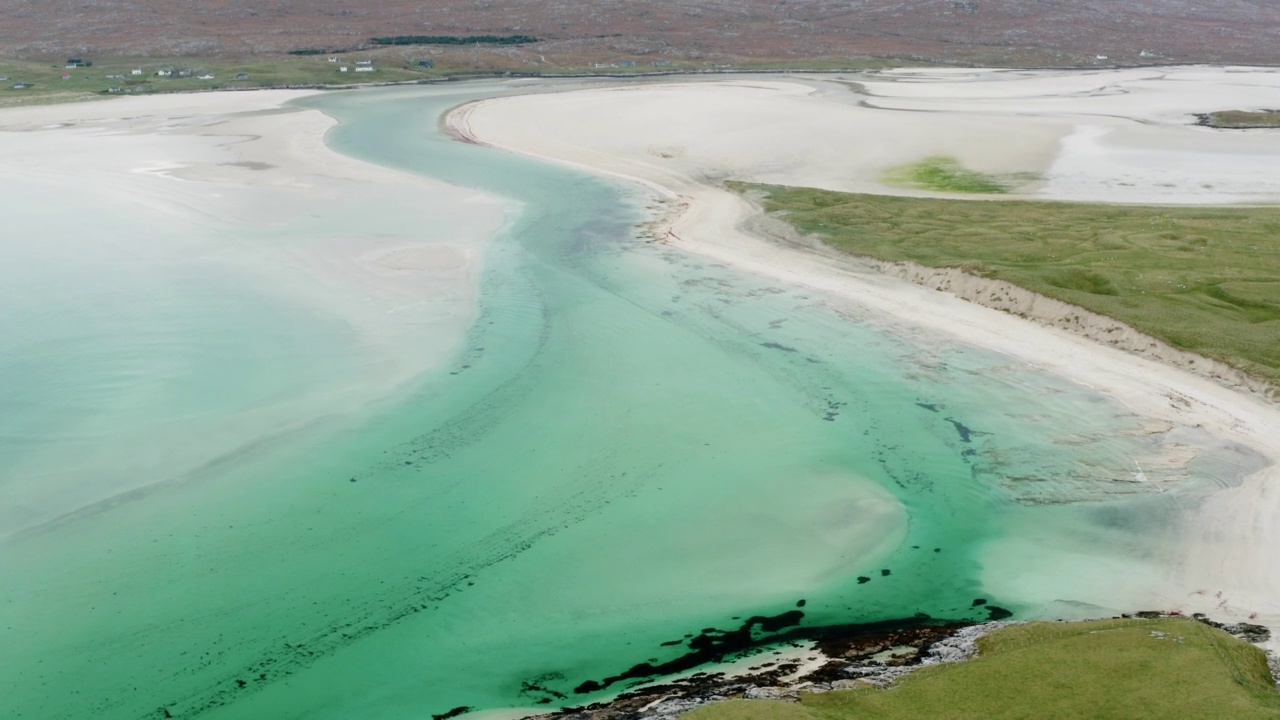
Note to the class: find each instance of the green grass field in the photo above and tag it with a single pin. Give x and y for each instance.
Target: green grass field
(46, 83)
(1243, 119)
(1099, 670)
(1202, 279)
(945, 174)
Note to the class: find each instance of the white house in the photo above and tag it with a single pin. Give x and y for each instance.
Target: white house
(164, 73)
(364, 62)
(365, 68)
(342, 68)
(136, 71)
(206, 76)
(333, 59)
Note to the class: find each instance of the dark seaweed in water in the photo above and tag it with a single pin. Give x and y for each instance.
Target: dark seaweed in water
(996, 613)
(460, 710)
(841, 643)
(776, 346)
(710, 646)
(713, 645)
(965, 432)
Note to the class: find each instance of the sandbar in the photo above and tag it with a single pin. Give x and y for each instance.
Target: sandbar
(238, 196)
(1110, 136)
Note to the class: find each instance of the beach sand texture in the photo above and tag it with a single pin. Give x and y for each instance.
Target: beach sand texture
(1107, 136)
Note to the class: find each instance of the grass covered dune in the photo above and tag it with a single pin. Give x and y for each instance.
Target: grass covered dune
(1130, 669)
(1206, 280)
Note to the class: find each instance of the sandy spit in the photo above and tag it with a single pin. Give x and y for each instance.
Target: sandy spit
(245, 185)
(1084, 133)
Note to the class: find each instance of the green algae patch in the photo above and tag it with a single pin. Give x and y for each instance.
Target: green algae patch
(1106, 669)
(1241, 119)
(1203, 279)
(941, 173)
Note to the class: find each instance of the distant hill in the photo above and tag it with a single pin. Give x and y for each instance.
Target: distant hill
(1027, 32)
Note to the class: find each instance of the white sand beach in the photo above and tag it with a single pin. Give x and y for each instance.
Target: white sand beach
(238, 197)
(1116, 136)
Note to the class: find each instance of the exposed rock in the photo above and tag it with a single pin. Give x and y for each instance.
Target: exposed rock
(1248, 632)
(763, 693)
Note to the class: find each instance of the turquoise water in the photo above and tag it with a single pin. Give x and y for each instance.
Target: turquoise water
(634, 445)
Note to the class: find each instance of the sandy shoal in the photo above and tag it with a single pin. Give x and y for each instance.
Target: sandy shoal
(1124, 136)
(234, 185)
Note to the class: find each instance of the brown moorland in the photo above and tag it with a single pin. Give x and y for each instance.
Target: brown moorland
(571, 32)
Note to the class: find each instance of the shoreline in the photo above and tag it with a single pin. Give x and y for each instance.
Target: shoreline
(1015, 300)
(874, 656)
(1229, 564)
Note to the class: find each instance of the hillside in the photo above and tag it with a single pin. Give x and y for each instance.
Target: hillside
(1028, 32)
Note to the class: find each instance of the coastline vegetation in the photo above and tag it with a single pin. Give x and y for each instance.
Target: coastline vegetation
(1241, 119)
(42, 81)
(1203, 279)
(1126, 669)
(945, 174)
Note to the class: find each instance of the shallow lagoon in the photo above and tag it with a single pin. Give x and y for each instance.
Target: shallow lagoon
(633, 447)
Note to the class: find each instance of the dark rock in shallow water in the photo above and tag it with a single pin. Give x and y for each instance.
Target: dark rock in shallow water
(863, 579)
(1245, 631)
(460, 710)
(979, 602)
(850, 650)
(995, 613)
(1248, 632)
(711, 646)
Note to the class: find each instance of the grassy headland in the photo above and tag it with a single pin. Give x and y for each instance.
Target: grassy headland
(1205, 280)
(1124, 669)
